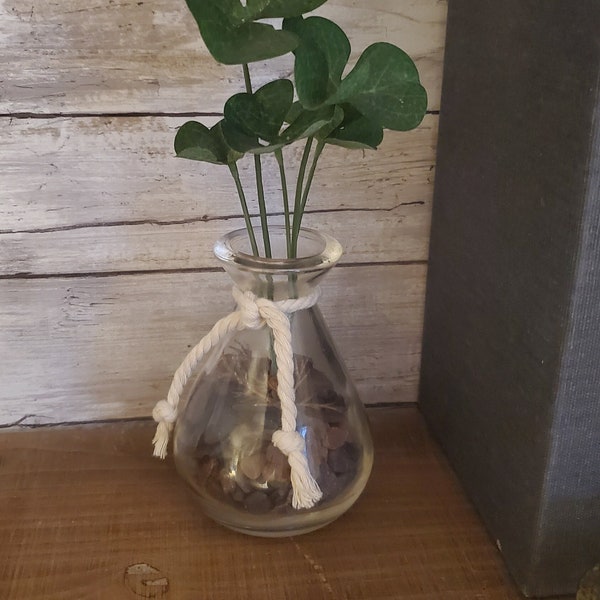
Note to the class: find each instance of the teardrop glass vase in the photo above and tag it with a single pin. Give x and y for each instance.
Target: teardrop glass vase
(229, 413)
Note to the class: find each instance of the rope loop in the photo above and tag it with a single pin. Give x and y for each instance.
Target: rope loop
(253, 313)
(165, 412)
(248, 308)
(288, 442)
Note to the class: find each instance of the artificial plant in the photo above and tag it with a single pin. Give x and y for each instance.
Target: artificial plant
(325, 106)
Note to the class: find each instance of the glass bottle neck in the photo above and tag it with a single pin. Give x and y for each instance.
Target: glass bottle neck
(278, 277)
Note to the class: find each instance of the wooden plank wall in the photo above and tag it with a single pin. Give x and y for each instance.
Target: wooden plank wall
(106, 268)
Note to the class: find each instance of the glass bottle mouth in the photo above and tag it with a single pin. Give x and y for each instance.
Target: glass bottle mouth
(316, 251)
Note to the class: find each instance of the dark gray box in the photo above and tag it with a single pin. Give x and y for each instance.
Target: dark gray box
(510, 380)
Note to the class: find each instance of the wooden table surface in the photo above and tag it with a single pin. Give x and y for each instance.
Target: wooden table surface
(87, 513)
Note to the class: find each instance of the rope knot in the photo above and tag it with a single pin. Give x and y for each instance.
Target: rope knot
(164, 412)
(288, 442)
(253, 313)
(249, 309)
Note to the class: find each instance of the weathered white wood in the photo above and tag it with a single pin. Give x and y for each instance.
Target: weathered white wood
(69, 172)
(72, 56)
(387, 235)
(92, 195)
(78, 349)
(106, 194)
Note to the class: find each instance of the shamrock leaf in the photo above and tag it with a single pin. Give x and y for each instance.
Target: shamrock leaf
(320, 58)
(233, 40)
(356, 131)
(289, 8)
(236, 139)
(261, 114)
(384, 86)
(196, 142)
(305, 123)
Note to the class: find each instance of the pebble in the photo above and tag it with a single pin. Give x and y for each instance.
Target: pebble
(244, 469)
(206, 465)
(238, 494)
(257, 502)
(227, 483)
(314, 451)
(282, 495)
(277, 468)
(328, 482)
(343, 459)
(336, 437)
(253, 465)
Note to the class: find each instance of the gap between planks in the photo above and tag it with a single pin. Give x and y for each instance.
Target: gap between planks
(21, 423)
(84, 115)
(100, 274)
(202, 219)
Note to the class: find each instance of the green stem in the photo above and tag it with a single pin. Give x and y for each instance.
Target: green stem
(298, 197)
(238, 184)
(311, 174)
(305, 192)
(262, 207)
(286, 201)
(260, 192)
(247, 78)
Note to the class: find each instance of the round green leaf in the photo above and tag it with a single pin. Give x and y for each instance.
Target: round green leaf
(307, 123)
(196, 142)
(261, 114)
(236, 139)
(332, 125)
(251, 42)
(232, 40)
(289, 8)
(384, 86)
(320, 58)
(356, 131)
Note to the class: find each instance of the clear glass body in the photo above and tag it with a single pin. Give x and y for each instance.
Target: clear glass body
(230, 410)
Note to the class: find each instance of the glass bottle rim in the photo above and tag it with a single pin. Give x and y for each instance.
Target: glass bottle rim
(228, 249)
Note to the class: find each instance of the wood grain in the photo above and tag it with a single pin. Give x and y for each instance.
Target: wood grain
(147, 56)
(78, 349)
(106, 269)
(81, 505)
(106, 194)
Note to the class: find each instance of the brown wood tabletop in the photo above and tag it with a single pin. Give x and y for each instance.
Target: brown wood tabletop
(87, 513)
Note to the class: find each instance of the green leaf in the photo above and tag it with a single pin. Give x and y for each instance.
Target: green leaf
(243, 143)
(289, 8)
(196, 142)
(252, 11)
(356, 131)
(236, 139)
(332, 125)
(268, 148)
(321, 57)
(307, 123)
(261, 114)
(384, 86)
(232, 40)
(295, 111)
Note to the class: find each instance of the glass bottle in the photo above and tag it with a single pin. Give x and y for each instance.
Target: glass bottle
(223, 443)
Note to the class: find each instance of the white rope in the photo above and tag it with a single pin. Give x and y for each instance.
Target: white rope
(253, 313)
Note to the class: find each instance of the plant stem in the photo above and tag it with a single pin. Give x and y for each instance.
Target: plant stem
(238, 184)
(309, 180)
(260, 192)
(247, 78)
(262, 208)
(305, 192)
(298, 197)
(286, 201)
